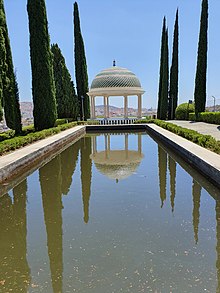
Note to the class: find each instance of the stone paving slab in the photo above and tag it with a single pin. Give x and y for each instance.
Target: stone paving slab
(201, 127)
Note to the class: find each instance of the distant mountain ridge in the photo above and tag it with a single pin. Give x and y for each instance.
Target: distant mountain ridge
(27, 110)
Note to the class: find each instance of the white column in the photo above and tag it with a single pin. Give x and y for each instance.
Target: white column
(139, 106)
(93, 102)
(126, 106)
(105, 107)
(92, 107)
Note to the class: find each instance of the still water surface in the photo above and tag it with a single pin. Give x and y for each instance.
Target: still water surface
(112, 213)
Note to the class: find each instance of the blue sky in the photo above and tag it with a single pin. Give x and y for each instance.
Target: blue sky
(126, 30)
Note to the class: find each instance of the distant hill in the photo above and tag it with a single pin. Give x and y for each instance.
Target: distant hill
(27, 110)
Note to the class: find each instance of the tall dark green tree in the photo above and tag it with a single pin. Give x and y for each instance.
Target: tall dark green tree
(43, 85)
(164, 75)
(2, 72)
(161, 67)
(80, 67)
(201, 70)
(67, 102)
(174, 71)
(165, 80)
(9, 83)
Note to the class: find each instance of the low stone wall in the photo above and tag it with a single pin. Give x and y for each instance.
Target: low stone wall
(23, 162)
(203, 160)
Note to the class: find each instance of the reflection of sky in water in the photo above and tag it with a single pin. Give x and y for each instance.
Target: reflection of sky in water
(157, 230)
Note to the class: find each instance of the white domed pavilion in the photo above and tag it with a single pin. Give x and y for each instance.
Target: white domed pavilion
(115, 81)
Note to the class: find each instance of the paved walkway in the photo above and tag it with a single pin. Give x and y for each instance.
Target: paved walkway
(201, 127)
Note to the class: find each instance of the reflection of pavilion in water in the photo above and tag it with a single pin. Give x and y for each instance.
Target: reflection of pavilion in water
(55, 180)
(116, 164)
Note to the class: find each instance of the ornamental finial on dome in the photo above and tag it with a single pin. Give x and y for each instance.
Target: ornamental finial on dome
(114, 63)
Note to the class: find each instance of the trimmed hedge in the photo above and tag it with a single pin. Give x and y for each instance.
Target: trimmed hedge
(88, 122)
(183, 110)
(20, 141)
(144, 121)
(206, 141)
(10, 142)
(207, 117)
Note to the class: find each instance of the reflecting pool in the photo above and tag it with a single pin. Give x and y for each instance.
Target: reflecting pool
(111, 213)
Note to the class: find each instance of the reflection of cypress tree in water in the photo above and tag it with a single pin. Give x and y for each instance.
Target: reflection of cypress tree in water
(86, 174)
(172, 170)
(14, 270)
(196, 190)
(68, 164)
(50, 181)
(20, 222)
(217, 210)
(6, 244)
(162, 165)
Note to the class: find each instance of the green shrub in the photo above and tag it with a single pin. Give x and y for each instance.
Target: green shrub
(207, 117)
(140, 121)
(16, 142)
(63, 121)
(206, 141)
(192, 116)
(7, 134)
(88, 122)
(183, 110)
(210, 117)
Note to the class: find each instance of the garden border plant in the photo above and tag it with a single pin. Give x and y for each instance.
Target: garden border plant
(10, 142)
(207, 117)
(206, 141)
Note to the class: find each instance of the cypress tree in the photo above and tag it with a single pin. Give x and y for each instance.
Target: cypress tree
(165, 80)
(201, 70)
(174, 71)
(43, 86)
(80, 67)
(10, 87)
(17, 111)
(161, 67)
(67, 102)
(2, 73)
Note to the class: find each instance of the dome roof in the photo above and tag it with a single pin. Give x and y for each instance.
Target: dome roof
(115, 77)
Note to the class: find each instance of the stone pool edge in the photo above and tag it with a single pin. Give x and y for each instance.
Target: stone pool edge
(203, 160)
(23, 159)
